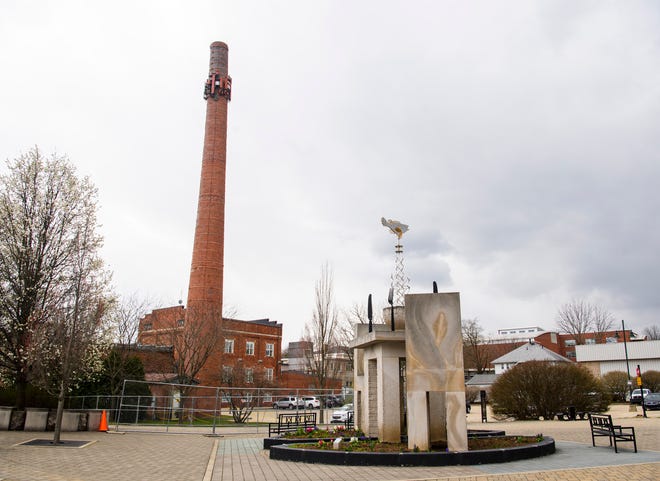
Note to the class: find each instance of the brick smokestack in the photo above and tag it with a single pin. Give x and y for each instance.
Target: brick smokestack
(206, 270)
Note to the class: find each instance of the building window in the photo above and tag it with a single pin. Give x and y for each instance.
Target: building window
(249, 376)
(570, 354)
(590, 341)
(268, 397)
(229, 346)
(268, 374)
(249, 348)
(270, 350)
(570, 342)
(147, 326)
(179, 323)
(227, 372)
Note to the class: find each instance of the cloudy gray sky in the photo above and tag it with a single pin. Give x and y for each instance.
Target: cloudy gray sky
(519, 140)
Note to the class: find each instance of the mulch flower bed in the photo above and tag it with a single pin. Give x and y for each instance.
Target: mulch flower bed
(315, 433)
(474, 444)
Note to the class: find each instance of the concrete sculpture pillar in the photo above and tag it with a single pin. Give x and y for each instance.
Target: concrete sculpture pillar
(377, 401)
(434, 371)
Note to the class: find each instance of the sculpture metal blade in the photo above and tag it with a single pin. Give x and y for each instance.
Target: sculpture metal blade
(396, 227)
(370, 314)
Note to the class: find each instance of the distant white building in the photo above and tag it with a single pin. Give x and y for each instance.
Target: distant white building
(530, 351)
(517, 332)
(603, 358)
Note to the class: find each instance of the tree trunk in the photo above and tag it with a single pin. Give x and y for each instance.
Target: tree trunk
(21, 388)
(60, 412)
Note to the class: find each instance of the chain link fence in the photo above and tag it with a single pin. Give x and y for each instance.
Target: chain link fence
(183, 408)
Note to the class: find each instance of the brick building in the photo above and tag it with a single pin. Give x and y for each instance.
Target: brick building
(208, 349)
(254, 347)
(563, 344)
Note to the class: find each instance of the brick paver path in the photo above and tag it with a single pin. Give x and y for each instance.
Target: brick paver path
(144, 457)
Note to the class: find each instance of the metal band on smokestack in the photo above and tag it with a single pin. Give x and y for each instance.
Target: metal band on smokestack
(206, 270)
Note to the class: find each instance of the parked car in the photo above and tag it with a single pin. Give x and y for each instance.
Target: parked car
(332, 401)
(290, 402)
(652, 401)
(311, 402)
(342, 414)
(636, 396)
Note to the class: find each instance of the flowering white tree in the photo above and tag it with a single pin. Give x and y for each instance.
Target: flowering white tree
(52, 281)
(72, 337)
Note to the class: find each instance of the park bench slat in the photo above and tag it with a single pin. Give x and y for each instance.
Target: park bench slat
(292, 422)
(601, 426)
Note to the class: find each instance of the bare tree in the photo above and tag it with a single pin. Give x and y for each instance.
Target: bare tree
(123, 322)
(125, 319)
(193, 340)
(357, 314)
(602, 322)
(44, 207)
(579, 317)
(476, 350)
(652, 333)
(241, 385)
(321, 331)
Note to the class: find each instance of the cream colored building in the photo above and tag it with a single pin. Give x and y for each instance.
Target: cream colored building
(603, 358)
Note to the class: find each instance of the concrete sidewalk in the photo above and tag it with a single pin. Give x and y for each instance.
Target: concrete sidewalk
(143, 456)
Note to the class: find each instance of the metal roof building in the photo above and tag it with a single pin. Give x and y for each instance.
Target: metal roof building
(603, 358)
(527, 352)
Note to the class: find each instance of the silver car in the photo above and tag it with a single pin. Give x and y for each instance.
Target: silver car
(290, 402)
(342, 414)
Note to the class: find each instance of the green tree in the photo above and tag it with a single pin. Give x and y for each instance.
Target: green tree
(538, 388)
(118, 366)
(110, 379)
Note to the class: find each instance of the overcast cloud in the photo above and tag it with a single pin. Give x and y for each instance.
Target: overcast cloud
(519, 140)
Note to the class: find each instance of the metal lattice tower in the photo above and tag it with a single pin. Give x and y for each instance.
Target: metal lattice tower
(400, 283)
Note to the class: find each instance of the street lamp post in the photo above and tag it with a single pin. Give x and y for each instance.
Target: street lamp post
(625, 349)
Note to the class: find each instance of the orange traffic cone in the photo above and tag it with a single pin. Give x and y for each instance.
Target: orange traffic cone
(103, 426)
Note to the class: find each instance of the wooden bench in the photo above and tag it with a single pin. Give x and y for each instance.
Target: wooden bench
(287, 423)
(601, 425)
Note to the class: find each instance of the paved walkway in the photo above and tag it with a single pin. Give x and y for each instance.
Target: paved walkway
(144, 457)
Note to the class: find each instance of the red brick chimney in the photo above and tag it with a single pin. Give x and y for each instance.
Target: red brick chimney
(206, 270)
